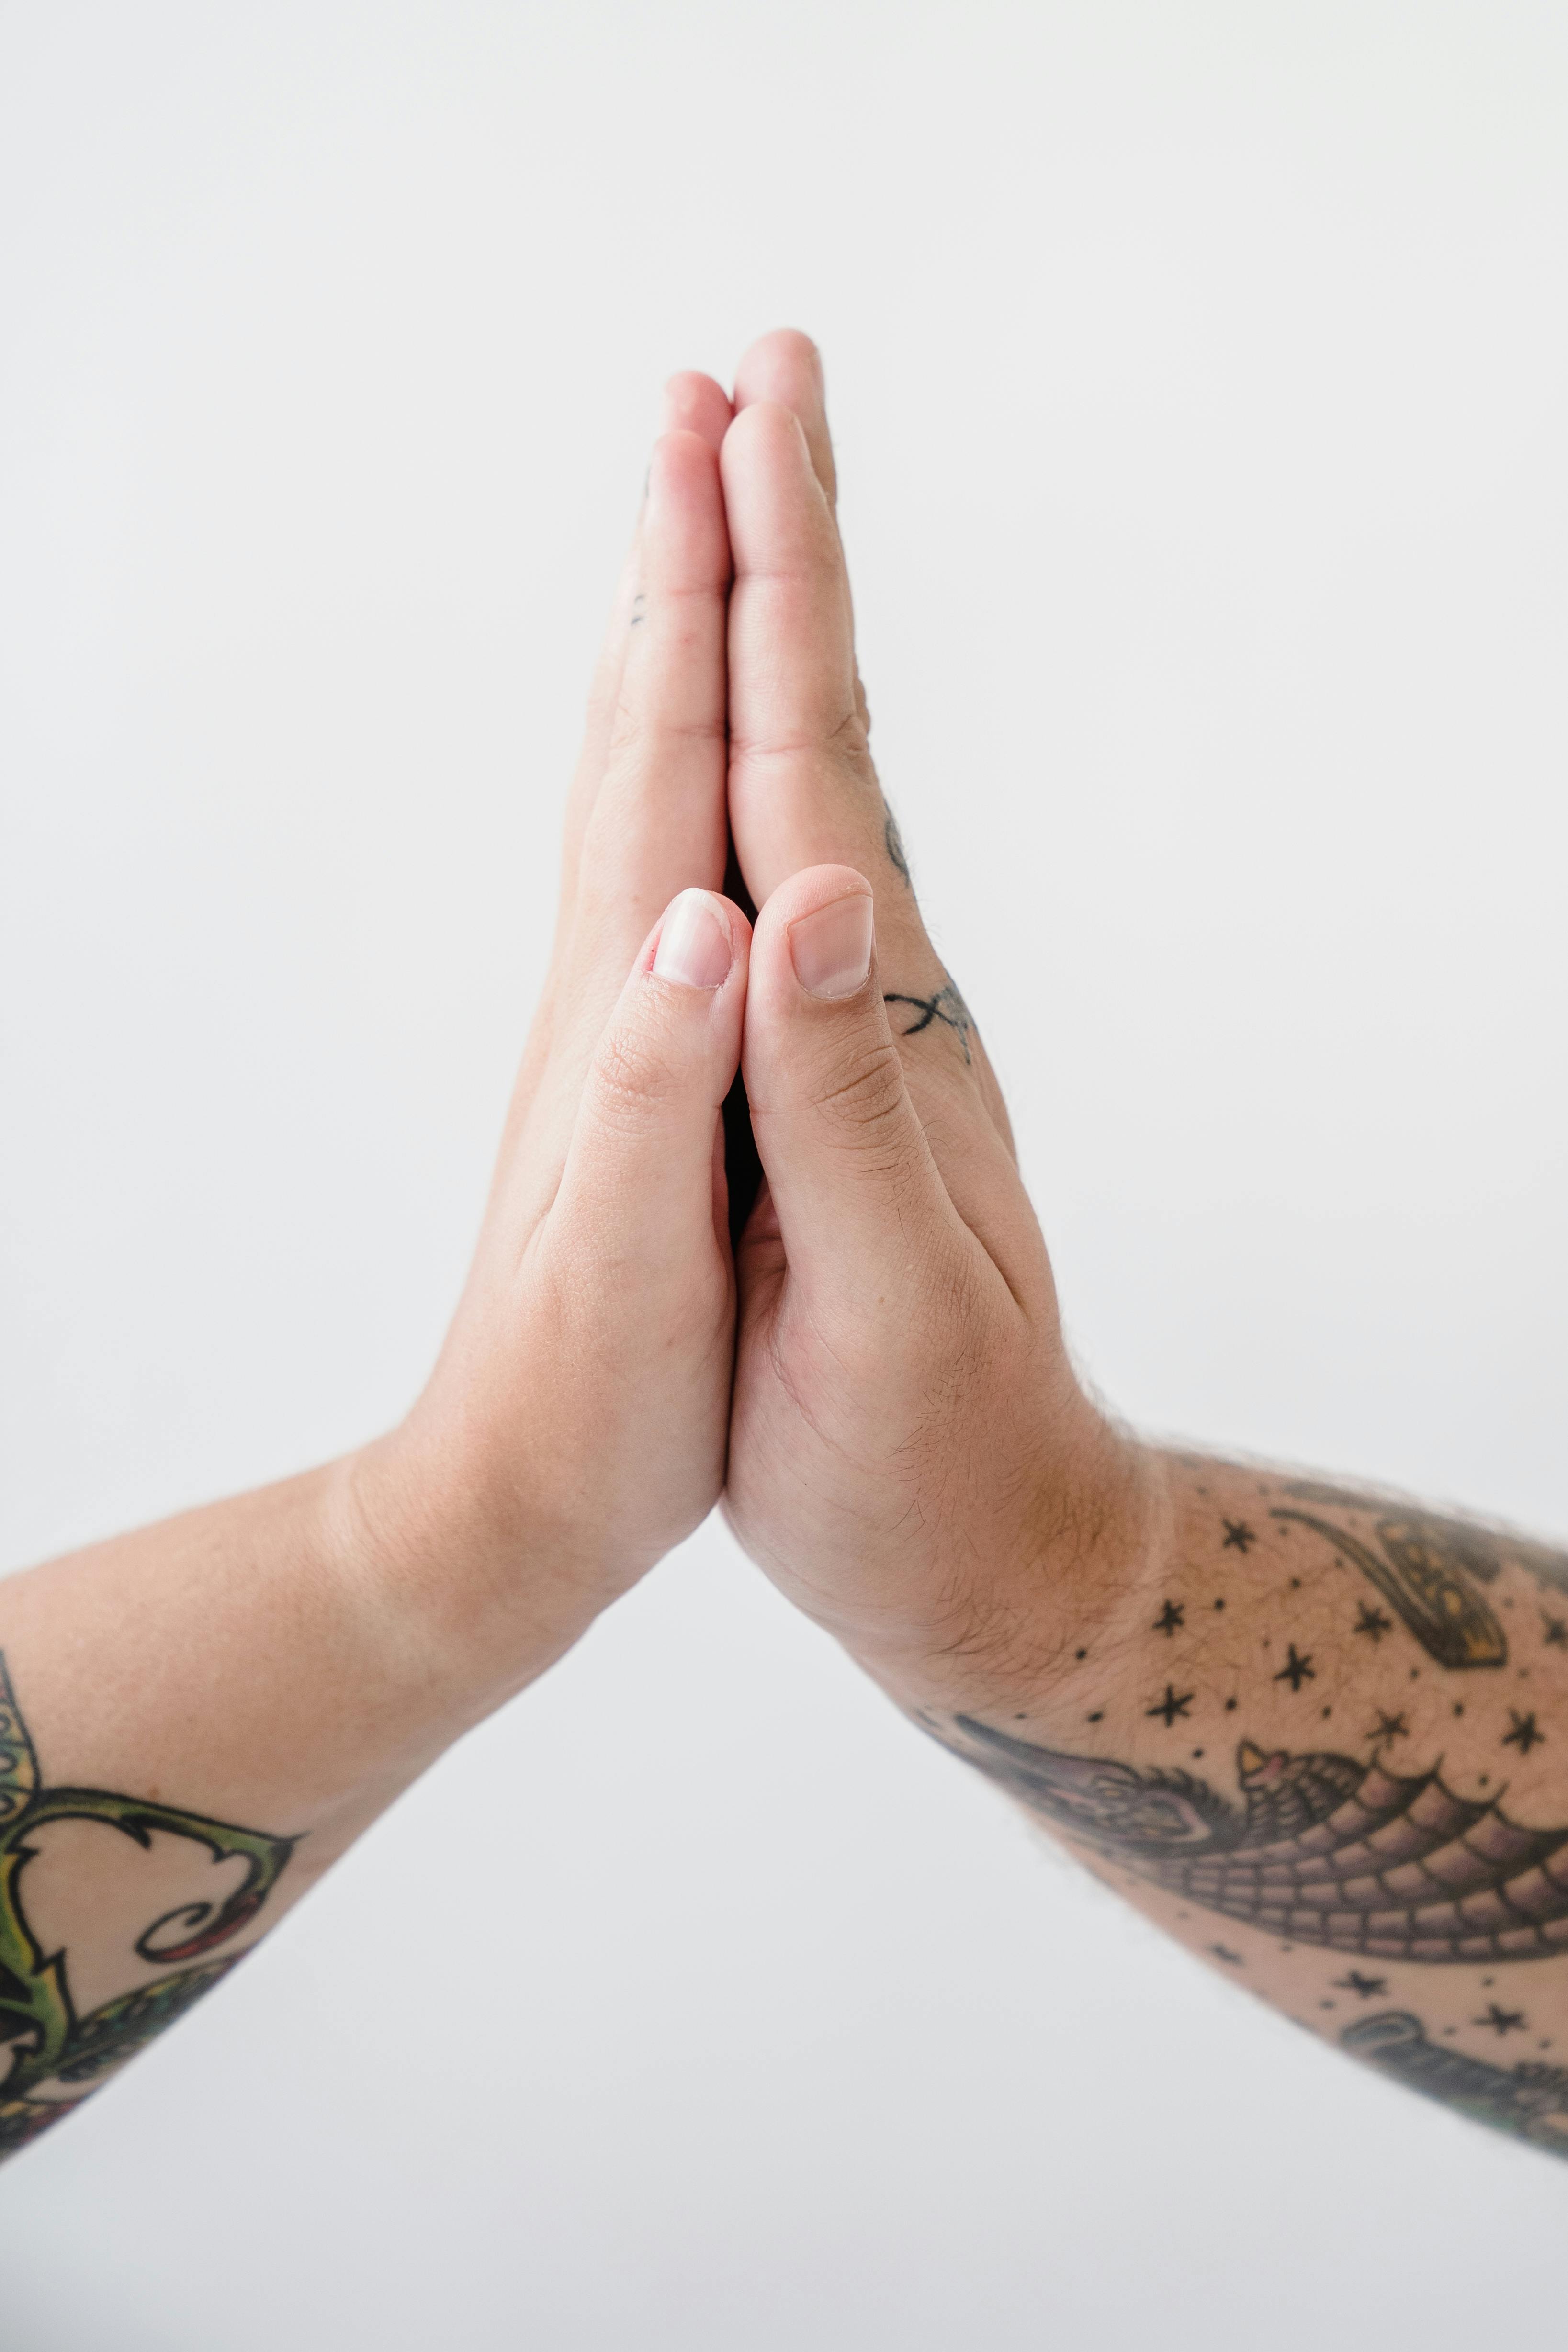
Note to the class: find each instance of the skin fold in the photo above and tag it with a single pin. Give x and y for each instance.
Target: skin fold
(1319, 1735)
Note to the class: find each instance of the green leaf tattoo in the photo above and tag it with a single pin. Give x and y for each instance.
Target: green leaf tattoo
(47, 2041)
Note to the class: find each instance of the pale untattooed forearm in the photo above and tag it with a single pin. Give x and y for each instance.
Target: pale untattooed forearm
(1333, 1758)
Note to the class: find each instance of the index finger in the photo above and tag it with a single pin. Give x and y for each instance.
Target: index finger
(803, 788)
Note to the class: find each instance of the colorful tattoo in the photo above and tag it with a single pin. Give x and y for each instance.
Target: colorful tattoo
(48, 2043)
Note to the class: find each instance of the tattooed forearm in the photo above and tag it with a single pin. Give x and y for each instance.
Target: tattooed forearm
(1529, 2101)
(1307, 1741)
(50, 2056)
(1322, 1848)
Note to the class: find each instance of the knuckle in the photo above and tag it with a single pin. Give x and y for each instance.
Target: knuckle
(863, 1092)
(818, 728)
(850, 741)
(637, 1068)
(641, 736)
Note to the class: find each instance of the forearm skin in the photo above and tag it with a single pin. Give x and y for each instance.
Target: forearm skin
(1323, 1740)
(195, 1721)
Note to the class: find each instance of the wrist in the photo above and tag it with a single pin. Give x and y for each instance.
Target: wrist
(1087, 1551)
(461, 1596)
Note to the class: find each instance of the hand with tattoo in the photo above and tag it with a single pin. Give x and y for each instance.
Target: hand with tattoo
(293, 1658)
(1320, 1735)
(911, 1457)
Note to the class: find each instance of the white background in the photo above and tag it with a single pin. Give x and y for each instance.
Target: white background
(1199, 374)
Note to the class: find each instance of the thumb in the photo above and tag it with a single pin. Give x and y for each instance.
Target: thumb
(859, 1201)
(643, 1166)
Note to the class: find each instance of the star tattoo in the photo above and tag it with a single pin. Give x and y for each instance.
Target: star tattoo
(1372, 1622)
(1224, 1952)
(1239, 1535)
(1388, 1726)
(1367, 1987)
(1171, 1618)
(1554, 1631)
(1171, 1705)
(1501, 2021)
(1297, 1670)
(1525, 1734)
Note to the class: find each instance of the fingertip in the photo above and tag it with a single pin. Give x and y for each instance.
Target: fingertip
(702, 942)
(785, 367)
(771, 489)
(693, 403)
(817, 933)
(764, 424)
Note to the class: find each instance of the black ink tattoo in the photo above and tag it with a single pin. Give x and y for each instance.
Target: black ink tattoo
(1427, 1568)
(1171, 1618)
(1373, 1621)
(46, 2041)
(1239, 1537)
(1295, 1670)
(1529, 2101)
(1388, 1727)
(1367, 1987)
(1321, 1849)
(946, 1006)
(1526, 1733)
(1554, 1631)
(1172, 1705)
(894, 840)
(1501, 2021)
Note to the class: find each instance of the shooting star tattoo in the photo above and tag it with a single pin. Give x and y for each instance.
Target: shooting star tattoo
(55, 2055)
(1429, 1569)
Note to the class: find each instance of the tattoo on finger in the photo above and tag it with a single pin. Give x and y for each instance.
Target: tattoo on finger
(946, 1006)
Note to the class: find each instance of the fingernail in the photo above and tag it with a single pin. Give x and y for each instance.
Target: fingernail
(832, 948)
(694, 948)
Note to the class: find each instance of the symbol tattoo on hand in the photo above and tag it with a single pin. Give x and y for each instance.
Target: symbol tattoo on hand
(946, 1006)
